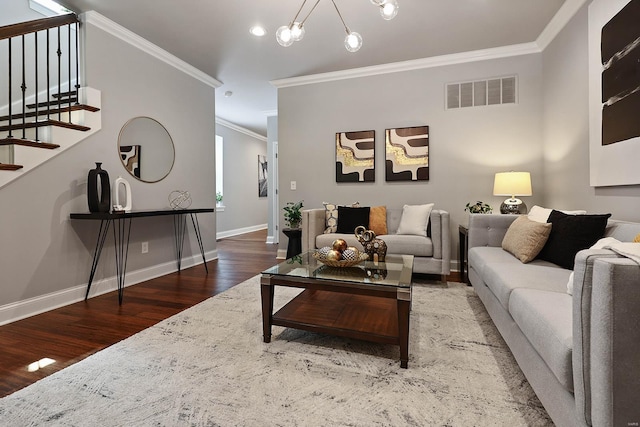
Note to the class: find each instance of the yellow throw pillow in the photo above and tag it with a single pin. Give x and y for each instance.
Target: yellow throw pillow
(525, 238)
(637, 239)
(378, 220)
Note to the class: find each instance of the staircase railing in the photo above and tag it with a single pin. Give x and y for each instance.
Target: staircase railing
(29, 42)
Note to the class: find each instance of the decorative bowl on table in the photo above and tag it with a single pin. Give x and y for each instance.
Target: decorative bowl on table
(322, 257)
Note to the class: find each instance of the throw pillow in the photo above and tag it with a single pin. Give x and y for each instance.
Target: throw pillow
(636, 239)
(378, 220)
(415, 219)
(540, 214)
(570, 234)
(331, 216)
(525, 238)
(350, 218)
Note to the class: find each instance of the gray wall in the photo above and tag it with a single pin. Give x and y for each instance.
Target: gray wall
(242, 207)
(467, 146)
(566, 130)
(45, 252)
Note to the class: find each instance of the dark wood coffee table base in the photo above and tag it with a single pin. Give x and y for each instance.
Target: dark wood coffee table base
(378, 315)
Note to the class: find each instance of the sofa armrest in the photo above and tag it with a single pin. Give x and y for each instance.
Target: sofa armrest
(441, 238)
(312, 225)
(488, 229)
(606, 338)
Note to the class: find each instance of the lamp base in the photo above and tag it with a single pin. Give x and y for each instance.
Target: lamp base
(513, 206)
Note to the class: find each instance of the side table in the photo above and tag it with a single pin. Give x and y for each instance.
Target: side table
(295, 241)
(463, 232)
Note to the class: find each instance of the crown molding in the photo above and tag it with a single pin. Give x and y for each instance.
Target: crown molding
(240, 129)
(116, 30)
(567, 11)
(415, 64)
(270, 113)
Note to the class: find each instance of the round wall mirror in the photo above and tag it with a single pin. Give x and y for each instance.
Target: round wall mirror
(146, 149)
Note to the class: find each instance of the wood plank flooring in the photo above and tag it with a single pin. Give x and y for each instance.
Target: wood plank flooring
(72, 333)
(69, 334)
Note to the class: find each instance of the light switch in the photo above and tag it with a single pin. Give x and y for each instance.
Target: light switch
(293, 185)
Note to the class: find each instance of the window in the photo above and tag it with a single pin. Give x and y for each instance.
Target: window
(219, 171)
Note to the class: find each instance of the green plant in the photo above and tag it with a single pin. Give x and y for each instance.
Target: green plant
(218, 197)
(478, 207)
(293, 214)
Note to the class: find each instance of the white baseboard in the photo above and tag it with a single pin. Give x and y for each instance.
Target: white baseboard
(282, 254)
(238, 231)
(271, 240)
(40, 304)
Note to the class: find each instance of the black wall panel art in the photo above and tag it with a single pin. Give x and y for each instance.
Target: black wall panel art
(407, 151)
(355, 156)
(620, 55)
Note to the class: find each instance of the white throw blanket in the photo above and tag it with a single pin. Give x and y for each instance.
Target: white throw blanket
(625, 249)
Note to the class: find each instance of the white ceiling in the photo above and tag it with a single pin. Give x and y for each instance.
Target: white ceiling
(213, 36)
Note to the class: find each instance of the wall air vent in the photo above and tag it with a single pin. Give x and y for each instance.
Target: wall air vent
(481, 92)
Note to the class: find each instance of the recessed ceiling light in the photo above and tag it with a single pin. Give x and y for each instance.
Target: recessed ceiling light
(228, 94)
(257, 31)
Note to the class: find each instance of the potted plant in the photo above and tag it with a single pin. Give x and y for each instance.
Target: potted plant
(478, 207)
(293, 214)
(218, 198)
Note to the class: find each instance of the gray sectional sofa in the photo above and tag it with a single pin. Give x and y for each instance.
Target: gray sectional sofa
(432, 254)
(579, 352)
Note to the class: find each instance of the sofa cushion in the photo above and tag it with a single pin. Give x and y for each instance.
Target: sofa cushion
(415, 219)
(351, 218)
(525, 238)
(503, 273)
(570, 234)
(408, 244)
(546, 320)
(378, 220)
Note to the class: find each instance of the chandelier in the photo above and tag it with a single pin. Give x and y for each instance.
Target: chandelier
(287, 34)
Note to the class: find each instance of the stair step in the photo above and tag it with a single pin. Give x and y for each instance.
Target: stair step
(28, 143)
(42, 123)
(53, 103)
(66, 109)
(65, 94)
(9, 167)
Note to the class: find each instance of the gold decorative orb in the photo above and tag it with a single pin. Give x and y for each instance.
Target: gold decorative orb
(333, 255)
(339, 245)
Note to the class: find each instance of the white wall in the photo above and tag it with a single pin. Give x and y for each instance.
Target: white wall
(467, 146)
(43, 252)
(566, 130)
(243, 209)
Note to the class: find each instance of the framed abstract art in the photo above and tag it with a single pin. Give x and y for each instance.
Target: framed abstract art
(355, 156)
(407, 154)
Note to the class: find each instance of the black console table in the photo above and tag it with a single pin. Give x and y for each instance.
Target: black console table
(122, 232)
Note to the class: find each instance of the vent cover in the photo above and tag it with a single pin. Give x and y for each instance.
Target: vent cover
(481, 92)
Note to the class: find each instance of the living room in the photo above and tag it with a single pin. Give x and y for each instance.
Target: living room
(546, 132)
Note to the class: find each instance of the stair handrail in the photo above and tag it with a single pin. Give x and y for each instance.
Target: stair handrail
(23, 28)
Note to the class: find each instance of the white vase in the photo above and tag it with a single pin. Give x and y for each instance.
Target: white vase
(127, 194)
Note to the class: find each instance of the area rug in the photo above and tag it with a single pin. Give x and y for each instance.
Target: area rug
(208, 366)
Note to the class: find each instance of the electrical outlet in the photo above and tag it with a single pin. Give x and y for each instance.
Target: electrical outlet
(145, 247)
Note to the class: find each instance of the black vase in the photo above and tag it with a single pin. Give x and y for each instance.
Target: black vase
(98, 190)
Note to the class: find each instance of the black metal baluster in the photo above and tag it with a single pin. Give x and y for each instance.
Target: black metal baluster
(24, 90)
(35, 39)
(69, 67)
(77, 67)
(59, 52)
(10, 90)
(48, 78)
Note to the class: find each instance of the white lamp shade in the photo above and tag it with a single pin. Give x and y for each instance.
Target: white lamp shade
(512, 184)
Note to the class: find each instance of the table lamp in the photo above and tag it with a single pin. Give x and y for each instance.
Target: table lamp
(512, 184)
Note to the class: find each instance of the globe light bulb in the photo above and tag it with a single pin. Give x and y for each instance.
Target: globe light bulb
(297, 31)
(284, 36)
(353, 42)
(389, 9)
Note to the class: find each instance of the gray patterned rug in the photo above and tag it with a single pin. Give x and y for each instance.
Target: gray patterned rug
(208, 366)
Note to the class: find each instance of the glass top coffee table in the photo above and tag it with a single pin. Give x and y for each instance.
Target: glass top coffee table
(370, 301)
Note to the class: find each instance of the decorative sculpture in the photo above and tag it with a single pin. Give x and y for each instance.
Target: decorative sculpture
(374, 247)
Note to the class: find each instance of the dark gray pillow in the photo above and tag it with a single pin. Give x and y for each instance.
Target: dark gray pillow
(571, 234)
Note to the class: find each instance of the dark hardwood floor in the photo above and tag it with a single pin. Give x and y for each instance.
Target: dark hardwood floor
(72, 333)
